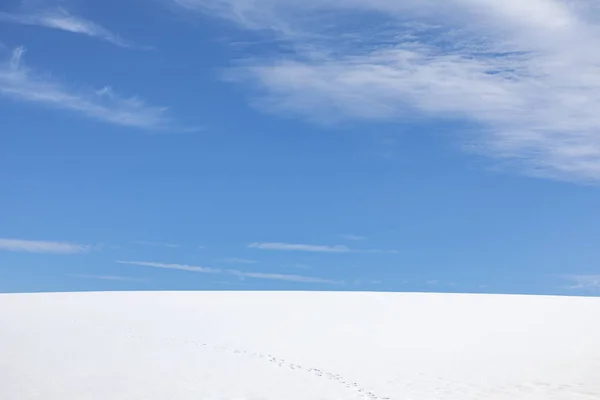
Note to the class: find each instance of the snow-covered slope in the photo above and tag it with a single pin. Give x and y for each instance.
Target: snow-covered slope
(298, 346)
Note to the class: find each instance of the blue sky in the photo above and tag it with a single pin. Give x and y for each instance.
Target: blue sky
(267, 144)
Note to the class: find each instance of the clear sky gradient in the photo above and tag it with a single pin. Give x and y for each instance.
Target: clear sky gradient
(269, 144)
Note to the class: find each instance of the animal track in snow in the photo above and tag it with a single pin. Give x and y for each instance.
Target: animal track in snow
(314, 371)
(280, 362)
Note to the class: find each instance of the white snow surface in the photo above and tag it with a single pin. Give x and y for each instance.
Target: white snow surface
(298, 346)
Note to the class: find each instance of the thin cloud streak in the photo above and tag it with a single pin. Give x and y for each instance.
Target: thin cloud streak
(181, 267)
(282, 277)
(299, 247)
(584, 282)
(156, 244)
(233, 272)
(378, 251)
(37, 246)
(22, 84)
(525, 74)
(353, 237)
(235, 260)
(278, 246)
(107, 278)
(61, 19)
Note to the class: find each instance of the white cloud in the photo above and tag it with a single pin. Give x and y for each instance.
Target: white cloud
(298, 266)
(235, 260)
(581, 282)
(353, 237)
(313, 248)
(61, 19)
(22, 84)
(299, 247)
(37, 246)
(378, 251)
(181, 267)
(157, 244)
(107, 277)
(234, 272)
(525, 73)
(282, 277)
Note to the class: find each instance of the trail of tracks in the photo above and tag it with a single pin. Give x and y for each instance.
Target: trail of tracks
(280, 362)
(358, 389)
(436, 385)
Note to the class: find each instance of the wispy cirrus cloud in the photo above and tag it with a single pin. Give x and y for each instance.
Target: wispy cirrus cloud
(107, 278)
(584, 282)
(311, 248)
(20, 83)
(39, 246)
(525, 73)
(378, 251)
(299, 247)
(282, 277)
(61, 19)
(156, 244)
(235, 260)
(352, 237)
(181, 267)
(234, 272)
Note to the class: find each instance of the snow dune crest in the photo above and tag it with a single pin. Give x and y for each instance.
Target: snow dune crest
(298, 346)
